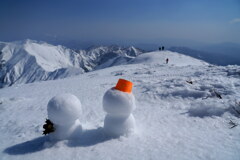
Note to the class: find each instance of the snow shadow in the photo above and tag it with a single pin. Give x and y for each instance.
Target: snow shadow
(205, 110)
(189, 93)
(89, 138)
(31, 146)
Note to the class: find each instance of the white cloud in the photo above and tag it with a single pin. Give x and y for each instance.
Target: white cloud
(236, 20)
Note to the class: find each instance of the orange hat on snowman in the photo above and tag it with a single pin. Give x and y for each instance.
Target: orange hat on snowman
(124, 86)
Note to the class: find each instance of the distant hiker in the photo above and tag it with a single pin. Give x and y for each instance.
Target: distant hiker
(167, 61)
(162, 47)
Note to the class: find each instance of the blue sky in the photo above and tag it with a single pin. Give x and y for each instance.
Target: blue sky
(210, 21)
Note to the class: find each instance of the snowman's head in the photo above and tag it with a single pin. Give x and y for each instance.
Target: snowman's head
(118, 103)
(64, 109)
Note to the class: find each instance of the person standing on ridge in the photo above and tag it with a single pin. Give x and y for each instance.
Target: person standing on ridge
(167, 61)
(162, 48)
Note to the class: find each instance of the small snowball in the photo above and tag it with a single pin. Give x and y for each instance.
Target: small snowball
(119, 126)
(64, 109)
(118, 103)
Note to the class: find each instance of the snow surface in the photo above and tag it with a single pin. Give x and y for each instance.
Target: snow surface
(175, 58)
(45, 53)
(174, 119)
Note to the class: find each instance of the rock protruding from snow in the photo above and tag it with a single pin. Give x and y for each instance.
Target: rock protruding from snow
(119, 106)
(64, 111)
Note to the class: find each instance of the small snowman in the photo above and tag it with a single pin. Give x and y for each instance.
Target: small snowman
(119, 102)
(63, 113)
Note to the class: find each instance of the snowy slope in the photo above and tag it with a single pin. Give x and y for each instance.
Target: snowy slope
(175, 59)
(173, 121)
(31, 61)
(103, 57)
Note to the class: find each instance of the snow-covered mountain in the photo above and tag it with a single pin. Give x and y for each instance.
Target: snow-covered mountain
(30, 61)
(175, 119)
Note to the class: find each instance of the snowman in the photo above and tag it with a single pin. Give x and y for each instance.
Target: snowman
(63, 113)
(119, 102)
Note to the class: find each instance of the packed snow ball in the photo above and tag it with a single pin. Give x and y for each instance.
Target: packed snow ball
(64, 109)
(118, 103)
(119, 126)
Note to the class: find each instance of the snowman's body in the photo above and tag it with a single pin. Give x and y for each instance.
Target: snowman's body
(119, 106)
(64, 111)
(117, 126)
(68, 131)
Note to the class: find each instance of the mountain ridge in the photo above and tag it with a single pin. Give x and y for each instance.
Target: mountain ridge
(29, 61)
